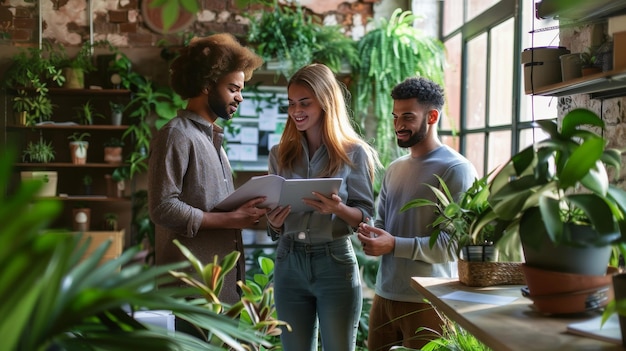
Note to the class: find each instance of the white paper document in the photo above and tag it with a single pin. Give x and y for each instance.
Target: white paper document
(479, 298)
(593, 328)
(280, 191)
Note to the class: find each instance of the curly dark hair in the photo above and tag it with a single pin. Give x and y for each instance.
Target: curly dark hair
(205, 60)
(424, 90)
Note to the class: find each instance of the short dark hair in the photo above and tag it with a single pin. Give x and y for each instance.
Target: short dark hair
(424, 90)
(205, 60)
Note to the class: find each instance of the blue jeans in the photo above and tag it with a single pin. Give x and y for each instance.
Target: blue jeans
(315, 285)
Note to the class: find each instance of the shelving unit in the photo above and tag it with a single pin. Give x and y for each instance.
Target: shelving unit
(103, 198)
(599, 86)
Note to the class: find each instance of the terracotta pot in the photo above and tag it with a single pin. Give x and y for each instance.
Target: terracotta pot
(78, 150)
(112, 154)
(565, 293)
(586, 71)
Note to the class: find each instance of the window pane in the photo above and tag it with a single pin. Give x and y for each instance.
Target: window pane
(475, 151)
(530, 136)
(476, 81)
(453, 84)
(501, 74)
(499, 149)
(451, 141)
(476, 7)
(538, 107)
(452, 15)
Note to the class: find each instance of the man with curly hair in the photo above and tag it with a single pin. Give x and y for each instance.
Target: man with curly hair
(189, 172)
(401, 238)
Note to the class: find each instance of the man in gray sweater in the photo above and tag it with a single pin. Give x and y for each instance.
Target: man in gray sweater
(189, 172)
(402, 238)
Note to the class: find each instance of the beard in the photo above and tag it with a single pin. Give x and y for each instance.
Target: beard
(219, 107)
(416, 137)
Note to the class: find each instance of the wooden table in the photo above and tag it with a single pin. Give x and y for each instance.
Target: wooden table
(513, 326)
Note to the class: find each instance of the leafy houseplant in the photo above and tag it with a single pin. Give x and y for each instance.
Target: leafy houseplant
(296, 39)
(74, 68)
(39, 151)
(117, 110)
(61, 302)
(86, 113)
(549, 192)
(391, 52)
(456, 217)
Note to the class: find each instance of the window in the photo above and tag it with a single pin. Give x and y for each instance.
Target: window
(488, 116)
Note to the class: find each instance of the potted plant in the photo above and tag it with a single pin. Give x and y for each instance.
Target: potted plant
(113, 150)
(81, 218)
(78, 147)
(479, 262)
(588, 60)
(22, 105)
(86, 113)
(39, 152)
(556, 195)
(117, 110)
(74, 68)
(110, 221)
(87, 182)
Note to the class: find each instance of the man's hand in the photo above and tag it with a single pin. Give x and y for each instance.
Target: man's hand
(375, 241)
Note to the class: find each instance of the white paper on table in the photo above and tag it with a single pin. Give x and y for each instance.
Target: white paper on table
(249, 135)
(479, 298)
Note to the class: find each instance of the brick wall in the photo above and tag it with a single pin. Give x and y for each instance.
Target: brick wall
(132, 23)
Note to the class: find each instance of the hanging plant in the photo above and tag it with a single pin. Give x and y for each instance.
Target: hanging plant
(390, 53)
(295, 38)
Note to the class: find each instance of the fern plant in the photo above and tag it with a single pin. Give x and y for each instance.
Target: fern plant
(391, 52)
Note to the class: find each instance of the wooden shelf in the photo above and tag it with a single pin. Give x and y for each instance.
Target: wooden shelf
(70, 127)
(602, 85)
(68, 165)
(87, 198)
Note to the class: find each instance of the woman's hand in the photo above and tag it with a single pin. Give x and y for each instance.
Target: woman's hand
(323, 204)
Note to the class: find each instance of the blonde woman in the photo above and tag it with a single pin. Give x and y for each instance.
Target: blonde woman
(317, 282)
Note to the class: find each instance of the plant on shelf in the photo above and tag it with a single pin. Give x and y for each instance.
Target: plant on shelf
(117, 110)
(113, 150)
(86, 113)
(22, 105)
(75, 68)
(39, 152)
(40, 63)
(389, 53)
(556, 195)
(87, 182)
(78, 147)
(295, 38)
(110, 221)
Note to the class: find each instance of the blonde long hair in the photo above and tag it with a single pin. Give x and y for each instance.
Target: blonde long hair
(337, 131)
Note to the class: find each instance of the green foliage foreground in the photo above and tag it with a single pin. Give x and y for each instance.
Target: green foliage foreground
(51, 299)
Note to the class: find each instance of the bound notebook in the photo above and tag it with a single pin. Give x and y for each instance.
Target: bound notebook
(280, 192)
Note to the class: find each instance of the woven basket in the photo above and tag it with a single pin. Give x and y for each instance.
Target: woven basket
(490, 273)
